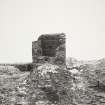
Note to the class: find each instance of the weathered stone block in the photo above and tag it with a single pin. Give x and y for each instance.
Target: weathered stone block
(49, 47)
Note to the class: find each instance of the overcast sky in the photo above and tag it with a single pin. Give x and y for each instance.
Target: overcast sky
(22, 21)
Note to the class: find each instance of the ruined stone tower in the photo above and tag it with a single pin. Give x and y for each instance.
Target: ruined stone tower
(49, 48)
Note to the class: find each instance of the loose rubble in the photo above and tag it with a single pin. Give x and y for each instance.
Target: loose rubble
(50, 84)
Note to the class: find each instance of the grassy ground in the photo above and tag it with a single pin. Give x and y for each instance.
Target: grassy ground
(12, 86)
(53, 85)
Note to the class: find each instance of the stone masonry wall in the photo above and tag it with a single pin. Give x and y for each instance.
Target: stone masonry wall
(49, 48)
